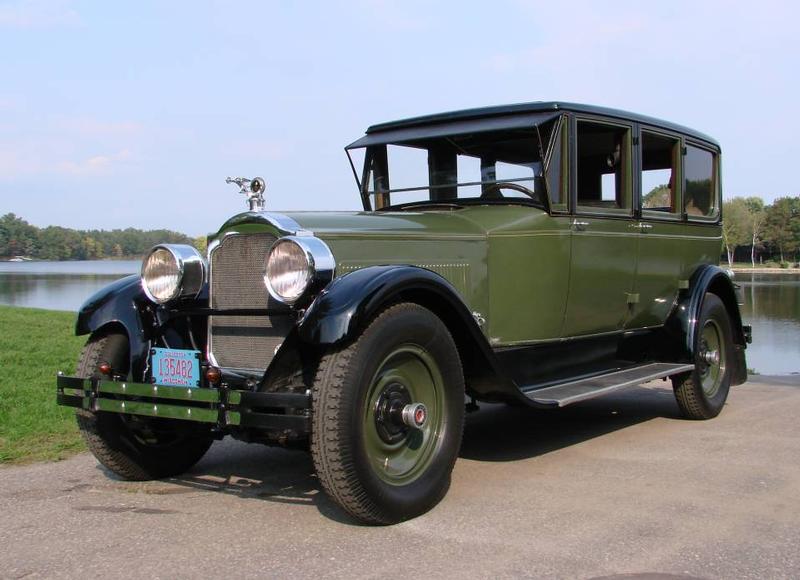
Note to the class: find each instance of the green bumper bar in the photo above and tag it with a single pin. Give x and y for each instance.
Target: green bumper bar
(222, 407)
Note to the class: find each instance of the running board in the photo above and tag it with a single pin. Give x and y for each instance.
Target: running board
(573, 391)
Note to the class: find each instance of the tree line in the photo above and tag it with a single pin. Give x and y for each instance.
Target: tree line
(19, 238)
(769, 232)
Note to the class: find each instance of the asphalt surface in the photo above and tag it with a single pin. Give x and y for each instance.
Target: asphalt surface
(616, 487)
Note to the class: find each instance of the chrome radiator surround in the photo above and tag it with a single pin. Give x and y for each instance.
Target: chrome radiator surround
(236, 271)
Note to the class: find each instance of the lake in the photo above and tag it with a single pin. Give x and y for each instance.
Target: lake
(59, 285)
(772, 302)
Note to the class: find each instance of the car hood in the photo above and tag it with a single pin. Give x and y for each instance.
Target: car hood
(474, 222)
(336, 224)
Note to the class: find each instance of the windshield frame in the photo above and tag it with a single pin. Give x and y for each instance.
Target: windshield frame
(446, 131)
(538, 182)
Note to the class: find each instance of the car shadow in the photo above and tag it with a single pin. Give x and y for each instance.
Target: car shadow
(256, 472)
(495, 433)
(505, 433)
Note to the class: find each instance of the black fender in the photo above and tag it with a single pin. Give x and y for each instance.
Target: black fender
(684, 319)
(124, 304)
(342, 309)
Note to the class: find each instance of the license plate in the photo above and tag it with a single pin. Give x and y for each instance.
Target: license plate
(175, 367)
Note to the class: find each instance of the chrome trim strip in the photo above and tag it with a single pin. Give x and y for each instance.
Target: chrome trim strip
(521, 343)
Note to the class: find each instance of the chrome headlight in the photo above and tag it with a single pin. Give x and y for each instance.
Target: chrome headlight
(295, 264)
(171, 271)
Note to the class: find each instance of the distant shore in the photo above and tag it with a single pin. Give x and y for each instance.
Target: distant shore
(27, 260)
(761, 270)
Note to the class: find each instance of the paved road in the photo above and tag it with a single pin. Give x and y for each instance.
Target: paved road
(615, 487)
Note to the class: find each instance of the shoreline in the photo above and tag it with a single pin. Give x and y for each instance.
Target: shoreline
(757, 270)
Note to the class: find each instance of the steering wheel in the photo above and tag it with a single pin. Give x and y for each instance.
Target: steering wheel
(498, 185)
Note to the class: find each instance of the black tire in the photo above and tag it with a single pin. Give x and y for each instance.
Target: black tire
(134, 449)
(702, 393)
(345, 422)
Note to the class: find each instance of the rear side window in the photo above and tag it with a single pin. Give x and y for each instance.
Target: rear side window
(700, 199)
(660, 182)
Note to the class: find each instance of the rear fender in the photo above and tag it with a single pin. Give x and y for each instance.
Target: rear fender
(683, 322)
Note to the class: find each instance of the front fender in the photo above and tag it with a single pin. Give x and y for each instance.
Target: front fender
(350, 300)
(121, 303)
(340, 312)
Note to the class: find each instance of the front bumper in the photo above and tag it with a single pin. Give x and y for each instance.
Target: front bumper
(222, 407)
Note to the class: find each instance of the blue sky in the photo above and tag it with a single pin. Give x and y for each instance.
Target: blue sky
(132, 114)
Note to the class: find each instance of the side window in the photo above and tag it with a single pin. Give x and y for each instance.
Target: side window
(557, 171)
(700, 187)
(603, 168)
(660, 162)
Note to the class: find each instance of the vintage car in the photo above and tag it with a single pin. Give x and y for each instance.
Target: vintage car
(537, 254)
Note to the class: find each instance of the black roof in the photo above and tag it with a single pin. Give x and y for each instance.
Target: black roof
(535, 107)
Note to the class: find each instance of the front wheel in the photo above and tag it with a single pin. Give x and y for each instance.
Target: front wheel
(702, 393)
(135, 449)
(388, 415)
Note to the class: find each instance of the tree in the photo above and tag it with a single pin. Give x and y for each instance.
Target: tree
(782, 227)
(17, 237)
(757, 214)
(735, 225)
(92, 249)
(201, 243)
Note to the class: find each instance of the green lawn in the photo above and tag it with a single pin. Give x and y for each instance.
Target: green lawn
(34, 345)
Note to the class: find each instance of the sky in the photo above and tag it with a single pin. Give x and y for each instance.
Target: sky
(131, 114)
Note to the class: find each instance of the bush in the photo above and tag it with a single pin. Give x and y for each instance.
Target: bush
(784, 265)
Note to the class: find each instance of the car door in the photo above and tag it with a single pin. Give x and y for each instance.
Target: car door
(662, 235)
(604, 236)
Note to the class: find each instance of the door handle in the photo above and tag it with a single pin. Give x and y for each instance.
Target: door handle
(641, 226)
(579, 225)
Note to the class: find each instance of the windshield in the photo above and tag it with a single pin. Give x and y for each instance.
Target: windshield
(484, 167)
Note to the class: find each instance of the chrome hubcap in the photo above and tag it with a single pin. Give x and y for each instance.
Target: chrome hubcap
(711, 357)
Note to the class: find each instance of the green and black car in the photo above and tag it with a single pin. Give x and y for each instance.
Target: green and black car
(538, 254)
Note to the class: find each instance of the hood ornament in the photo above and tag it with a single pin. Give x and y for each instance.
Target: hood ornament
(253, 189)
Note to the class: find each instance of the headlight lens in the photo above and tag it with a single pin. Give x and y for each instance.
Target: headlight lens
(172, 270)
(289, 271)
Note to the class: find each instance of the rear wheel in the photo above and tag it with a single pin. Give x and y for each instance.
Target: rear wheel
(702, 393)
(388, 414)
(134, 448)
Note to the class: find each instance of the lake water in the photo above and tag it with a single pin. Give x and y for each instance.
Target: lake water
(58, 285)
(772, 302)
(772, 307)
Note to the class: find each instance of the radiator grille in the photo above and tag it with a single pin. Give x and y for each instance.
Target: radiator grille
(237, 271)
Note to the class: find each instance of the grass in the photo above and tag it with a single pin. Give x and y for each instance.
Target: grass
(34, 345)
